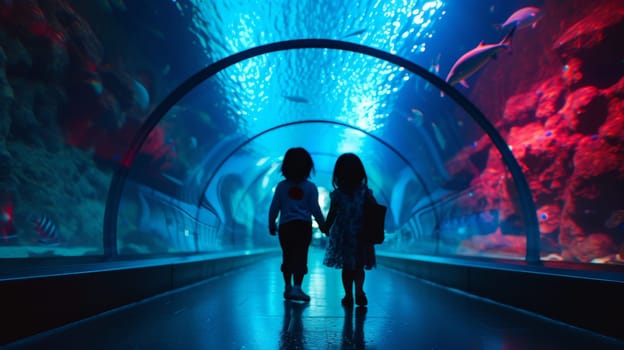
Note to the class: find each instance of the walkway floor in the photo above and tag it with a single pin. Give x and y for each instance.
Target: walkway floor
(245, 310)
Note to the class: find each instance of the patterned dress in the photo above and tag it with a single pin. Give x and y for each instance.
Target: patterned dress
(344, 249)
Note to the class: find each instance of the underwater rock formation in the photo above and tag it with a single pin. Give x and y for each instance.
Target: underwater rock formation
(561, 111)
(61, 99)
(6, 97)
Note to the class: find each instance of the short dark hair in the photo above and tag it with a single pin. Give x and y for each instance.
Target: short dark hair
(349, 173)
(297, 164)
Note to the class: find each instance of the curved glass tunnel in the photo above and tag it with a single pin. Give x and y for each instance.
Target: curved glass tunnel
(330, 102)
(201, 181)
(140, 142)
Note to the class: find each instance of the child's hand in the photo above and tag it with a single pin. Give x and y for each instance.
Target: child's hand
(323, 229)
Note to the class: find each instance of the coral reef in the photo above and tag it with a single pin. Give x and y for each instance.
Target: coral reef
(64, 105)
(561, 111)
(6, 97)
(64, 185)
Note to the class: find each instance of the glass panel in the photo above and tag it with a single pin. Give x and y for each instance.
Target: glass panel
(470, 206)
(53, 198)
(73, 95)
(226, 27)
(427, 160)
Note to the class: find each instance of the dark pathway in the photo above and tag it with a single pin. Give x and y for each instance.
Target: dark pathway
(246, 310)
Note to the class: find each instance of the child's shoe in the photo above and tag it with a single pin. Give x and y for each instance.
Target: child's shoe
(360, 299)
(287, 292)
(297, 294)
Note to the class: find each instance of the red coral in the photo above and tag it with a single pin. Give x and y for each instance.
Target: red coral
(549, 92)
(520, 109)
(612, 131)
(572, 72)
(585, 110)
(589, 32)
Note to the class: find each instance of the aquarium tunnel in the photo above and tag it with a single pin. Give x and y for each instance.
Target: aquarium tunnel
(227, 190)
(155, 191)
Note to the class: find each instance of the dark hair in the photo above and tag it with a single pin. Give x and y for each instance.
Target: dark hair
(297, 164)
(349, 173)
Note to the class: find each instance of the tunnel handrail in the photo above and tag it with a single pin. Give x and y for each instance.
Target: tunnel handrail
(122, 171)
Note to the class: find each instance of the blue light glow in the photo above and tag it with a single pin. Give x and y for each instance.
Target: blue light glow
(351, 86)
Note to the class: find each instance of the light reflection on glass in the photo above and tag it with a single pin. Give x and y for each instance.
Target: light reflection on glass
(398, 27)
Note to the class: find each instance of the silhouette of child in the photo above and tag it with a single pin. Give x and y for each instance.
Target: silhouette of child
(296, 201)
(346, 250)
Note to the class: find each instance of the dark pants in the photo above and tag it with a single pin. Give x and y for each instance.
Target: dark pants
(295, 237)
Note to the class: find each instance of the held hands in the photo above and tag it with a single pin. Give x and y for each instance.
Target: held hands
(323, 228)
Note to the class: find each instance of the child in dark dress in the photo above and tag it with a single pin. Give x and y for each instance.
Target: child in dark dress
(296, 201)
(346, 250)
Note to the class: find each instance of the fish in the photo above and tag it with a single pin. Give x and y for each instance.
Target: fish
(522, 18)
(173, 179)
(475, 59)
(354, 33)
(141, 95)
(434, 68)
(47, 230)
(297, 99)
(438, 135)
(96, 85)
(615, 219)
(549, 216)
(416, 117)
(7, 228)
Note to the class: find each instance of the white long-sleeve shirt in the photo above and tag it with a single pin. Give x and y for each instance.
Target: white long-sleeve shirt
(295, 201)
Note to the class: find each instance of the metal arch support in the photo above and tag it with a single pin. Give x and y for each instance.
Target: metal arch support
(200, 200)
(120, 175)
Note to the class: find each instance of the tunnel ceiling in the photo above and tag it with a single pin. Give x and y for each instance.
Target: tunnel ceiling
(318, 84)
(396, 146)
(346, 101)
(240, 118)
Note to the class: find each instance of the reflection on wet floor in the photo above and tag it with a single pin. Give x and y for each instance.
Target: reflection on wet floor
(245, 309)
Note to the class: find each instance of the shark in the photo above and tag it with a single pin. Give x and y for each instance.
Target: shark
(354, 33)
(296, 99)
(524, 17)
(473, 60)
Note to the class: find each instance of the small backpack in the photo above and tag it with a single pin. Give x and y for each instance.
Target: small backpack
(373, 220)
